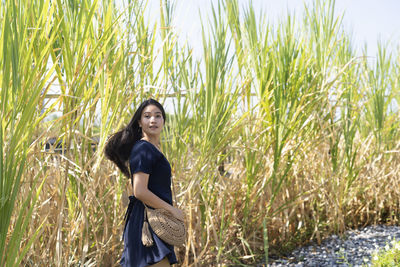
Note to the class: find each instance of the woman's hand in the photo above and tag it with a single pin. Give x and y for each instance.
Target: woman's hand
(177, 213)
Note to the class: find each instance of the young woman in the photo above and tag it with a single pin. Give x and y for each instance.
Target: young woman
(138, 146)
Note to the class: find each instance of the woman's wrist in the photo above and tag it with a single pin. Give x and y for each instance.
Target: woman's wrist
(169, 208)
(152, 200)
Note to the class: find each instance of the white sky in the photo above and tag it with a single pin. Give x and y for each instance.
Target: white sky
(367, 20)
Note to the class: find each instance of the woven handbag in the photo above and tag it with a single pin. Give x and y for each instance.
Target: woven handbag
(164, 225)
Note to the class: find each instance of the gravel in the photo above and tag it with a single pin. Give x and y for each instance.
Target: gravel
(355, 249)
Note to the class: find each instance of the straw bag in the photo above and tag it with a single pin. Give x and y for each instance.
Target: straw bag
(168, 228)
(164, 225)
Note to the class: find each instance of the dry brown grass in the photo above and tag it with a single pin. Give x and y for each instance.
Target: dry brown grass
(83, 214)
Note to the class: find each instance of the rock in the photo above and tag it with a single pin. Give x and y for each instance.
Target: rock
(355, 250)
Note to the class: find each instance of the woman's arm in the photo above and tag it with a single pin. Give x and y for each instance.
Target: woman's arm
(141, 192)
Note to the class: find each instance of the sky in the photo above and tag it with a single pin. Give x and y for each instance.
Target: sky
(366, 20)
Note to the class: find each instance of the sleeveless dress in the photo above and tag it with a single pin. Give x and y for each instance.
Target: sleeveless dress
(145, 157)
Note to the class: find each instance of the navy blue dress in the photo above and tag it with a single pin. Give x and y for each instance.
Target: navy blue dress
(145, 157)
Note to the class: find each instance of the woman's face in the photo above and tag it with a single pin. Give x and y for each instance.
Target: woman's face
(151, 121)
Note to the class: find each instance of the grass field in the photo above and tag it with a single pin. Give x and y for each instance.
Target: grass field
(279, 133)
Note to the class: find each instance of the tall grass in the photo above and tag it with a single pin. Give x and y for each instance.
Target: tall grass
(25, 50)
(277, 134)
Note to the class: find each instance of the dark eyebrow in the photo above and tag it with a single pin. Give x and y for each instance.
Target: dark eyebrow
(157, 112)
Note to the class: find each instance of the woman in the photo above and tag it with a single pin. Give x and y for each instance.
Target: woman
(139, 145)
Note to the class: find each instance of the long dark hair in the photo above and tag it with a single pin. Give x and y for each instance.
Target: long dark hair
(119, 145)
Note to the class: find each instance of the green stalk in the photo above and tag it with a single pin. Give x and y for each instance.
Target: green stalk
(23, 79)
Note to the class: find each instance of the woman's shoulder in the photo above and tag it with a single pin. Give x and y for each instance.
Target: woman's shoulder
(141, 145)
(144, 146)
